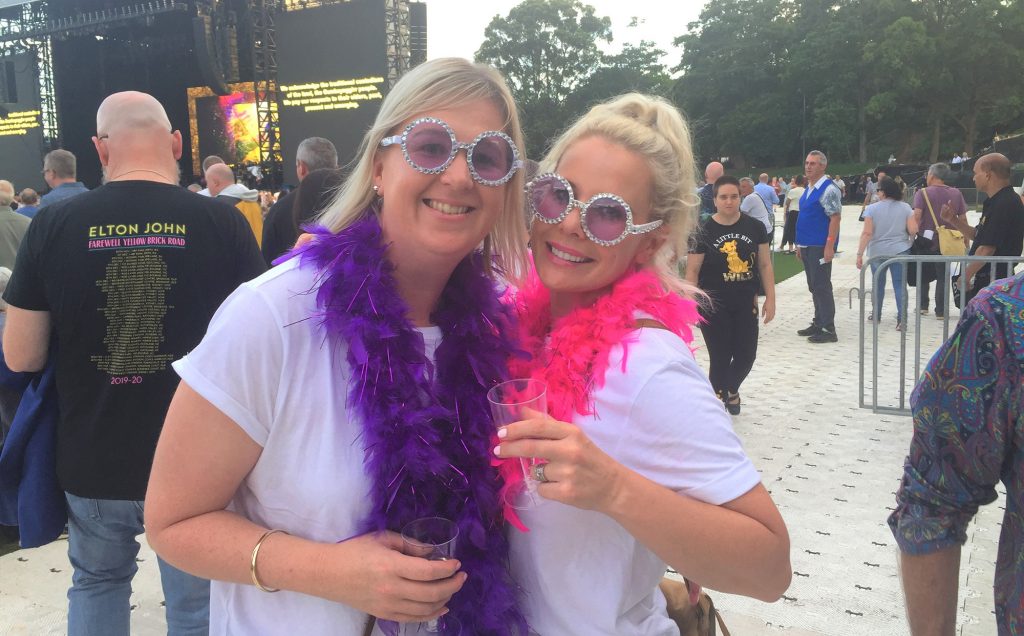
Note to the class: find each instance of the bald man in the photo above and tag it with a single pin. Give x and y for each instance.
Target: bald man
(712, 173)
(212, 160)
(12, 226)
(767, 194)
(128, 276)
(220, 180)
(1000, 232)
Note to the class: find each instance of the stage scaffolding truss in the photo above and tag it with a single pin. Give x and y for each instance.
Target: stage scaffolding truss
(262, 14)
(396, 30)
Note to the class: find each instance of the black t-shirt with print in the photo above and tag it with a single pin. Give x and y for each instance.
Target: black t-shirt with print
(131, 274)
(1001, 226)
(730, 256)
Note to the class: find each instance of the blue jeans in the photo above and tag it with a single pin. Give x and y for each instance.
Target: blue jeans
(878, 295)
(102, 547)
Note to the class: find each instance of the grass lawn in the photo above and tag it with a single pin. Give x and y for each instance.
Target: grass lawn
(786, 265)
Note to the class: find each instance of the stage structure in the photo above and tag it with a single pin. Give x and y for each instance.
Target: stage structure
(28, 111)
(60, 58)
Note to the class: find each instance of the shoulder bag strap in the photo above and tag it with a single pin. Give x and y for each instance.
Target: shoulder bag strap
(929, 202)
(647, 322)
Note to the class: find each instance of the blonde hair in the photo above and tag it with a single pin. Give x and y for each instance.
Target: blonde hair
(440, 84)
(651, 127)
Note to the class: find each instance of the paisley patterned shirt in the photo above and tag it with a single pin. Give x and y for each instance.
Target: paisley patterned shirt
(969, 435)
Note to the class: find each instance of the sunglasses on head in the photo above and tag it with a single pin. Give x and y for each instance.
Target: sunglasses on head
(606, 218)
(429, 146)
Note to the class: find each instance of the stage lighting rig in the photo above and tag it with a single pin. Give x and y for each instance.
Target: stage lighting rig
(97, 21)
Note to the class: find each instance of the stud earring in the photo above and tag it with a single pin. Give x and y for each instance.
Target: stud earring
(376, 189)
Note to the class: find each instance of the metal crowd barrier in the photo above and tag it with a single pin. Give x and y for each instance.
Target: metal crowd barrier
(910, 311)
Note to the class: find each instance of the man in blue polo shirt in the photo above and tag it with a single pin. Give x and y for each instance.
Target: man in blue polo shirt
(766, 192)
(817, 227)
(60, 173)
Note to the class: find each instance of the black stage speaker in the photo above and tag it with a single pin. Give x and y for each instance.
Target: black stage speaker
(206, 55)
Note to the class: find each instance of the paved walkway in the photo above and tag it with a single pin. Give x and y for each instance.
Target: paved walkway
(831, 467)
(833, 470)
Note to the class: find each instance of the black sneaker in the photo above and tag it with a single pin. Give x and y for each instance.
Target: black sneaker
(809, 331)
(825, 335)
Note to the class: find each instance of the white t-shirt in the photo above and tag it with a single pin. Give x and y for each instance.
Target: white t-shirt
(580, 571)
(793, 198)
(753, 206)
(264, 362)
(871, 190)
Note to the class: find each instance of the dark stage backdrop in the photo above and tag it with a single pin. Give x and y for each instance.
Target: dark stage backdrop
(154, 57)
(331, 69)
(21, 130)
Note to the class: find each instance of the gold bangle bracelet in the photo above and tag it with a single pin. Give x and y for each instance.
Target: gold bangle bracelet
(252, 562)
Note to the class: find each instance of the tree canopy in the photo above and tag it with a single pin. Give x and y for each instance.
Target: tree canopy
(763, 81)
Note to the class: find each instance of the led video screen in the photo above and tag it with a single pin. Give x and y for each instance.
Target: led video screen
(224, 125)
(21, 123)
(331, 67)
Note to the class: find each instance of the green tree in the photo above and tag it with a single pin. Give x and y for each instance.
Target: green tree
(906, 60)
(985, 53)
(768, 80)
(829, 66)
(546, 49)
(637, 68)
(731, 87)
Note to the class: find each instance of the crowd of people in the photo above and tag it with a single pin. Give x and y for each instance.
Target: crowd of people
(273, 431)
(773, 190)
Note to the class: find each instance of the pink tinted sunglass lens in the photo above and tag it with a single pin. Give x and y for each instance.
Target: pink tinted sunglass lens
(492, 158)
(606, 219)
(429, 145)
(550, 197)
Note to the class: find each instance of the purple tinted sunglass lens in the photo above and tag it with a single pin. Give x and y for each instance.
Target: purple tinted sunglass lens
(550, 197)
(492, 158)
(606, 219)
(429, 145)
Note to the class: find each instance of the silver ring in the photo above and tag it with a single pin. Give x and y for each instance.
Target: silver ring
(538, 473)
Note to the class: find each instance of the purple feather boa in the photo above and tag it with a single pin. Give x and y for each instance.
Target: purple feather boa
(427, 429)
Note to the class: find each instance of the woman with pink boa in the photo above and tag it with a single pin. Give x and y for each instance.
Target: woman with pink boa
(640, 468)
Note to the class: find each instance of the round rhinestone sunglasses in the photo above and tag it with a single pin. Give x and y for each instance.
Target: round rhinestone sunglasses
(429, 146)
(606, 218)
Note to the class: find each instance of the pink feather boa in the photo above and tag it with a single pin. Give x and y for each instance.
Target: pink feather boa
(571, 354)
